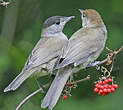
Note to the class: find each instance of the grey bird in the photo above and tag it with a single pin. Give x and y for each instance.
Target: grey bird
(44, 54)
(84, 48)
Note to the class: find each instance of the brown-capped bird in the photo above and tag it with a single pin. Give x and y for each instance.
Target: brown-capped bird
(84, 48)
(44, 54)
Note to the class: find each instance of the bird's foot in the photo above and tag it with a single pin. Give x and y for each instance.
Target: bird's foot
(94, 64)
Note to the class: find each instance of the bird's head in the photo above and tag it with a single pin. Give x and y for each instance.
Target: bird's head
(91, 18)
(55, 24)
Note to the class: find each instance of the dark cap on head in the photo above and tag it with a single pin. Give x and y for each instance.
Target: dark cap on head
(52, 20)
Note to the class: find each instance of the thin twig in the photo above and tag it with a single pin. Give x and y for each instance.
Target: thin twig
(4, 3)
(28, 97)
(81, 80)
(110, 56)
(32, 94)
(39, 85)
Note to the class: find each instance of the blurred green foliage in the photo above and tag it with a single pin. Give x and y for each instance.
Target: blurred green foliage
(20, 28)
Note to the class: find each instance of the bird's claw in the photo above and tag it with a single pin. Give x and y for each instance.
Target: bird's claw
(94, 64)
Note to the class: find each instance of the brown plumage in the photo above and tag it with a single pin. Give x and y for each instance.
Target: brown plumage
(84, 47)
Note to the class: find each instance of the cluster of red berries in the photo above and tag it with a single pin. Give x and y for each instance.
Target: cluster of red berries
(103, 88)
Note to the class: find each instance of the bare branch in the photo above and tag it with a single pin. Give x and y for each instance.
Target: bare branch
(4, 3)
(28, 97)
(81, 80)
(110, 57)
(108, 61)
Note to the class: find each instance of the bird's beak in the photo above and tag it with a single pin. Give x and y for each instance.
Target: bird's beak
(69, 18)
(81, 11)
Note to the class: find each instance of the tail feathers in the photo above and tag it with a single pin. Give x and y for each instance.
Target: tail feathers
(18, 80)
(56, 88)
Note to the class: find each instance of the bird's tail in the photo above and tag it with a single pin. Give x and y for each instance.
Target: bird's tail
(56, 88)
(19, 80)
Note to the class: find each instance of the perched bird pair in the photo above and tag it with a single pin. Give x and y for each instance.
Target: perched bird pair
(82, 49)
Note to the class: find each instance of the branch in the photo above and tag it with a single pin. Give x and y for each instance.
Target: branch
(110, 57)
(81, 80)
(28, 97)
(108, 61)
(4, 3)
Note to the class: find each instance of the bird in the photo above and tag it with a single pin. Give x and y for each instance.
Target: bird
(44, 54)
(83, 48)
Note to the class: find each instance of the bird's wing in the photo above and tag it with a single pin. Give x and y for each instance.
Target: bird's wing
(80, 48)
(45, 50)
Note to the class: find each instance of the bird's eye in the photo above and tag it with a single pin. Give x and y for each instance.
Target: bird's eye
(83, 15)
(58, 22)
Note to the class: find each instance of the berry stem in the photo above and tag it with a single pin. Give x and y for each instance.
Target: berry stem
(81, 80)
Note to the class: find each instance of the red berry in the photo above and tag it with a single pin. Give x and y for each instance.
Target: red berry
(64, 97)
(106, 86)
(109, 80)
(108, 90)
(112, 89)
(101, 87)
(115, 86)
(105, 90)
(100, 92)
(100, 82)
(97, 85)
(96, 89)
(109, 86)
(105, 81)
(103, 94)
(69, 84)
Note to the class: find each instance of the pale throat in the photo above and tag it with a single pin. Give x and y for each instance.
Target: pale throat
(46, 33)
(50, 32)
(85, 22)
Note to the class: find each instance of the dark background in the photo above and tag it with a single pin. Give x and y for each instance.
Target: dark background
(20, 28)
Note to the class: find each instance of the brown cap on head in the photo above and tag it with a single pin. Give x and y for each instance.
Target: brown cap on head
(93, 16)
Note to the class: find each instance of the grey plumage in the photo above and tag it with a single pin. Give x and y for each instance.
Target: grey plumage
(45, 52)
(56, 88)
(79, 42)
(83, 48)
